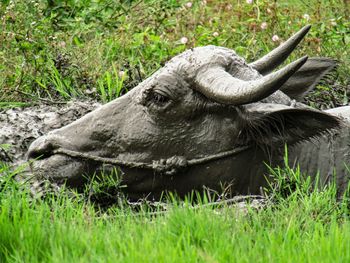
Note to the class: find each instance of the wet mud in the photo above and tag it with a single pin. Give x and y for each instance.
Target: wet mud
(19, 127)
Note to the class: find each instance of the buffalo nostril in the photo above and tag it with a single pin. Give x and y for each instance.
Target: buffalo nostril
(42, 148)
(38, 154)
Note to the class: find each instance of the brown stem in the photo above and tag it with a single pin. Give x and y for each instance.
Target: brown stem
(346, 8)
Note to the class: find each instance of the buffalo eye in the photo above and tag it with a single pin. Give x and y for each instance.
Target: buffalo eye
(158, 99)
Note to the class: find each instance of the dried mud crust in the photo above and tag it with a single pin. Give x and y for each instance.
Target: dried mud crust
(19, 127)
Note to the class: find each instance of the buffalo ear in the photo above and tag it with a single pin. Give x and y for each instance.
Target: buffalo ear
(307, 77)
(276, 124)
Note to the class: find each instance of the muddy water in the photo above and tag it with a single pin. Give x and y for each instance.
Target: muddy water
(20, 126)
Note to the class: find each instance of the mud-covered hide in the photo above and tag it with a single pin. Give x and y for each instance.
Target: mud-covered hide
(21, 126)
(205, 102)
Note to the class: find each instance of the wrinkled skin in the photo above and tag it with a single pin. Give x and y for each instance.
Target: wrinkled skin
(167, 115)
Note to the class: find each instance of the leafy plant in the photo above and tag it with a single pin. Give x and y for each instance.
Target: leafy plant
(111, 85)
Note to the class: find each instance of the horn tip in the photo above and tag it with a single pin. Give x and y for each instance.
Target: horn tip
(298, 63)
(307, 27)
(303, 59)
(302, 32)
(305, 30)
(270, 61)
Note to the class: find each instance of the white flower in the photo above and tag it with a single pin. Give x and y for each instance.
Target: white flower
(90, 91)
(204, 2)
(275, 38)
(306, 17)
(188, 4)
(62, 44)
(333, 22)
(228, 7)
(121, 74)
(263, 25)
(184, 40)
(249, 1)
(215, 34)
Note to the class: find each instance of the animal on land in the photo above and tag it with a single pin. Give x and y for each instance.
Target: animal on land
(207, 118)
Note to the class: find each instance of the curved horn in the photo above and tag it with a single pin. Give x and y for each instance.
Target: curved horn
(277, 56)
(217, 84)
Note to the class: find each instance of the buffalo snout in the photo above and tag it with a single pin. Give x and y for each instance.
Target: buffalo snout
(44, 146)
(46, 164)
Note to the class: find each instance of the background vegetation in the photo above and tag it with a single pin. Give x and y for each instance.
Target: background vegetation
(102, 48)
(54, 50)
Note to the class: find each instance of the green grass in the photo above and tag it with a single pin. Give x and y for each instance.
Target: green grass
(58, 50)
(63, 49)
(305, 225)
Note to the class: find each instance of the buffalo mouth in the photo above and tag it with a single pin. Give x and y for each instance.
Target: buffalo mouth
(56, 167)
(60, 169)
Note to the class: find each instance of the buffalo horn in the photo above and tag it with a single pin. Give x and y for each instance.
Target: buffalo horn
(217, 84)
(270, 61)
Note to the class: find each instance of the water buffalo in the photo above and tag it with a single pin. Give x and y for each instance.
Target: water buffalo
(207, 118)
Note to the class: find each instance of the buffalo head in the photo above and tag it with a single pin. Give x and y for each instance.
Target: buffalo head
(204, 101)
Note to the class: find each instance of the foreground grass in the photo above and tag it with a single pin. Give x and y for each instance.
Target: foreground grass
(304, 226)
